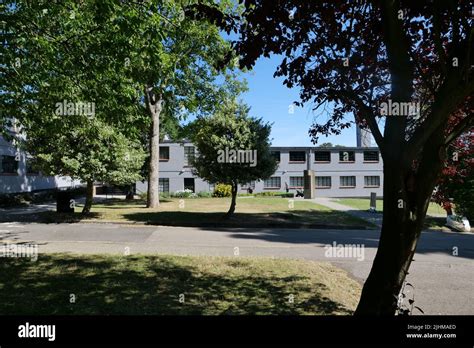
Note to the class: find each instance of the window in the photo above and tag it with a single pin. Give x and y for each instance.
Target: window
(275, 155)
(249, 185)
(323, 181)
(297, 156)
(371, 156)
(9, 165)
(322, 156)
(31, 167)
(189, 184)
(348, 181)
(164, 153)
(273, 182)
(296, 181)
(164, 185)
(372, 181)
(189, 155)
(346, 156)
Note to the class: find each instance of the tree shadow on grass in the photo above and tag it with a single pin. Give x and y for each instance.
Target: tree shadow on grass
(48, 217)
(152, 285)
(290, 219)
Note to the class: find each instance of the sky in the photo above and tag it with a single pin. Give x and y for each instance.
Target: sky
(271, 100)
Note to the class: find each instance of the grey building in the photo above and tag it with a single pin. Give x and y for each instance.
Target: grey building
(17, 173)
(338, 171)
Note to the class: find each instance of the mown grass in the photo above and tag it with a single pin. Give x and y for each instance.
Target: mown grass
(250, 212)
(364, 204)
(173, 285)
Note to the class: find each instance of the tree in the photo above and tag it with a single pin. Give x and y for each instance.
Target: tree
(177, 67)
(95, 51)
(457, 178)
(78, 109)
(233, 148)
(359, 58)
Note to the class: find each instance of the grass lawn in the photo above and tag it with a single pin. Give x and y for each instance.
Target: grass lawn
(153, 285)
(364, 204)
(250, 211)
(435, 218)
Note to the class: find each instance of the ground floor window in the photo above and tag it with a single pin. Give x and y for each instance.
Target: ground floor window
(189, 184)
(296, 182)
(250, 184)
(323, 181)
(372, 181)
(272, 183)
(9, 165)
(348, 181)
(164, 185)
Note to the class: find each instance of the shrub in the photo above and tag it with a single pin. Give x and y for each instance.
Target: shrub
(222, 190)
(204, 194)
(287, 195)
(183, 194)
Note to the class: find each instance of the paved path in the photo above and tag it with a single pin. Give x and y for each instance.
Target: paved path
(375, 218)
(444, 284)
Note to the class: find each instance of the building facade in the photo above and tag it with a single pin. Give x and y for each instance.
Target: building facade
(338, 171)
(17, 173)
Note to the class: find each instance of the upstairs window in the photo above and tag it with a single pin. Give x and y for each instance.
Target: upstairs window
(164, 153)
(297, 156)
(346, 156)
(189, 155)
(275, 155)
(322, 156)
(371, 156)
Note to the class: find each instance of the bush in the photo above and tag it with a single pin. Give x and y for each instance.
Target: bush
(287, 195)
(222, 190)
(183, 194)
(204, 194)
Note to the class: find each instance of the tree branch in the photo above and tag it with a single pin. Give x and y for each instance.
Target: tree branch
(459, 129)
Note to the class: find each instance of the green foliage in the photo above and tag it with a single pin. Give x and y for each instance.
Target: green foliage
(183, 194)
(275, 194)
(222, 190)
(230, 128)
(463, 199)
(204, 194)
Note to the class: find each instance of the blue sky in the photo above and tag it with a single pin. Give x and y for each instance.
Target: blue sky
(270, 100)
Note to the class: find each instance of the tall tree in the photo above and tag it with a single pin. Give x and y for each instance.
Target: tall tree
(177, 67)
(356, 56)
(77, 108)
(96, 50)
(457, 178)
(233, 148)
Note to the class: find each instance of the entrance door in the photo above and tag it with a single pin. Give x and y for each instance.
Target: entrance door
(189, 184)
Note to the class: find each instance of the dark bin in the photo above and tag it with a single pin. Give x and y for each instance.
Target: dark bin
(63, 202)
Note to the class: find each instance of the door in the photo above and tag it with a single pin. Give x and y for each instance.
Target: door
(189, 184)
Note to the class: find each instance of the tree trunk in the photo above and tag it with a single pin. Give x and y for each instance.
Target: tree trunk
(154, 107)
(407, 193)
(234, 199)
(89, 197)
